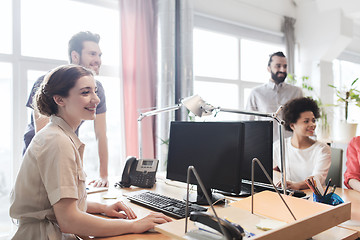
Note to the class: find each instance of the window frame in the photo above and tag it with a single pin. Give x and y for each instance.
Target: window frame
(222, 26)
(19, 85)
(353, 58)
(21, 65)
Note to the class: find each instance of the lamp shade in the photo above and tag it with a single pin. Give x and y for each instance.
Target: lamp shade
(197, 106)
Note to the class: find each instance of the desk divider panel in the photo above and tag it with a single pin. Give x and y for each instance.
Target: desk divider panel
(312, 218)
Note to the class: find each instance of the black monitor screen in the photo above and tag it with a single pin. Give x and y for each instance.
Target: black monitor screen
(258, 143)
(213, 148)
(221, 152)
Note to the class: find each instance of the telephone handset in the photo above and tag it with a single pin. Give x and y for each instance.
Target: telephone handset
(139, 172)
(232, 230)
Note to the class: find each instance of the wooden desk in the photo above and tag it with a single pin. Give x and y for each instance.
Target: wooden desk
(349, 195)
(177, 190)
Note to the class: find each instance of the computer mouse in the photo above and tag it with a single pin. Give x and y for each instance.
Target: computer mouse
(152, 230)
(297, 193)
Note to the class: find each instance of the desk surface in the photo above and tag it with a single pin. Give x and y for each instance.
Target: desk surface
(349, 195)
(177, 190)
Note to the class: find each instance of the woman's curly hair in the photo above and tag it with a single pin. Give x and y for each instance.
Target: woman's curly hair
(294, 107)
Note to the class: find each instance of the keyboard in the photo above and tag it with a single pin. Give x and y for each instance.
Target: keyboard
(266, 186)
(170, 206)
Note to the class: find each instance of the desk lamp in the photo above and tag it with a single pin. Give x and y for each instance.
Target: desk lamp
(200, 108)
(193, 103)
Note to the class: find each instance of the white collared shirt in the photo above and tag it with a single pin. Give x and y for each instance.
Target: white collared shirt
(268, 97)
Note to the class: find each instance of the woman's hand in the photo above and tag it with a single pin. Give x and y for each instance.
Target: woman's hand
(354, 184)
(119, 210)
(293, 185)
(149, 222)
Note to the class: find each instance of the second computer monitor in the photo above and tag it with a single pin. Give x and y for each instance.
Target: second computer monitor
(258, 143)
(220, 151)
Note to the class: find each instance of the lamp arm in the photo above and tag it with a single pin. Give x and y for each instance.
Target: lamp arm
(281, 124)
(151, 113)
(270, 115)
(157, 111)
(282, 157)
(275, 116)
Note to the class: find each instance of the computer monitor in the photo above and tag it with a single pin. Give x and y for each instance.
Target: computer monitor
(219, 151)
(258, 144)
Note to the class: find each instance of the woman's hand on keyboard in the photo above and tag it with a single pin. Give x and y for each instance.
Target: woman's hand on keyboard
(149, 222)
(119, 210)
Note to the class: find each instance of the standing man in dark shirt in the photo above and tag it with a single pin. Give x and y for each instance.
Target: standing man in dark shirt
(83, 50)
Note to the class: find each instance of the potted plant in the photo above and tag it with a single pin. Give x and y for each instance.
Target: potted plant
(346, 96)
(344, 130)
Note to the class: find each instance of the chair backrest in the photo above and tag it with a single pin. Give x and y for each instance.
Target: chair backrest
(335, 171)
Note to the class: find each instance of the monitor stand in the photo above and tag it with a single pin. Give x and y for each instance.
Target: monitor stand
(245, 191)
(200, 199)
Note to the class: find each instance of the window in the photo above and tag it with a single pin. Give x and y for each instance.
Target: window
(345, 72)
(41, 48)
(228, 64)
(86, 132)
(5, 29)
(215, 55)
(254, 60)
(219, 94)
(5, 146)
(55, 28)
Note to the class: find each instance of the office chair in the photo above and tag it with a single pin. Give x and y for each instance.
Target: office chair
(335, 171)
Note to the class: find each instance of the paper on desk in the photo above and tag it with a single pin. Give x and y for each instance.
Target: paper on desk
(205, 228)
(110, 196)
(92, 189)
(199, 234)
(269, 224)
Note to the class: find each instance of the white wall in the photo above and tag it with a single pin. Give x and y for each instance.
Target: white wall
(323, 30)
(263, 14)
(315, 18)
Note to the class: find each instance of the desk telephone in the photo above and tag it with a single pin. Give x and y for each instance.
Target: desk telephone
(232, 230)
(139, 172)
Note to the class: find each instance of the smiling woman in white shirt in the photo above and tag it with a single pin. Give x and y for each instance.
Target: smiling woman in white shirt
(49, 197)
(304, 156)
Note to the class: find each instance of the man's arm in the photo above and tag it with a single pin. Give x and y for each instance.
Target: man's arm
(40, 121)
(101, 137)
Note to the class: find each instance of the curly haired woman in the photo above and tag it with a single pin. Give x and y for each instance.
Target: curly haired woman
(304, 156)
